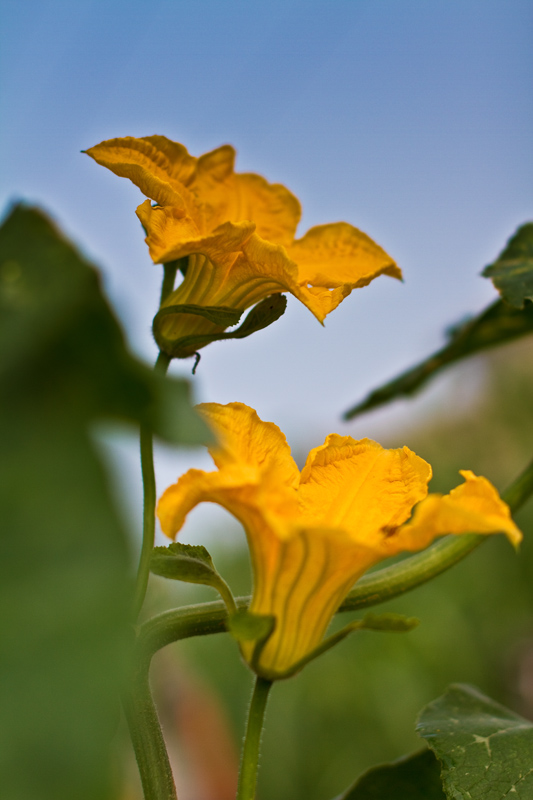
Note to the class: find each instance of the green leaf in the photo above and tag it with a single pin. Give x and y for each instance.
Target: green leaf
(485, 749)
(245, 626)
(512, 275)
(184, 562)
(65, 570)
(413, 777)
(499, 323)
(512, 272)
(191, 564)
(261, 316)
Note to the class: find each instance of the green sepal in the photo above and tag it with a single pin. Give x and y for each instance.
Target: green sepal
(394, 623)
(412, 777)
(389, 622)
(245, 626)
(512, 272)
(219, 315)
(190, 564)
(261, 316)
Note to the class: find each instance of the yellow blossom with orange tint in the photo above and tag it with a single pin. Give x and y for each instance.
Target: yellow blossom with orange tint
(238, 232)
(313, 533)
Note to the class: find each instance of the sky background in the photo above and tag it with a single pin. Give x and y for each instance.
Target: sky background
(411, 120)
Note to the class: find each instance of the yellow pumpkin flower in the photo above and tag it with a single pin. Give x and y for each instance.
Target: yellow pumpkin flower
(238, 231)
(313, 533)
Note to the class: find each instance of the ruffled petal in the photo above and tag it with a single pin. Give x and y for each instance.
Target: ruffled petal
(284, 266)
(274, 209)
(339, 255)
(472, 507)
(243, 438)
(159, 167)
(233, 489)
(361, 487)
(171, 234)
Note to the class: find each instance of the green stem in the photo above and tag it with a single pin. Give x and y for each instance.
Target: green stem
(252, 740)
(169, 277)
(149, 498)
(370, 590)
(143, 723)
(147, 739)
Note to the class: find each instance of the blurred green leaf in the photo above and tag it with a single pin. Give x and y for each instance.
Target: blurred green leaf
(499, 323)
(261, 316)
(184, 562)
(394, 623)
(512, 275)
(485, 749)
(512, 272)
(414, 777)
(55, 325)
(65, 583)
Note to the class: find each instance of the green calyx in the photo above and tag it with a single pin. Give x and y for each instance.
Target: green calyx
(261, 316)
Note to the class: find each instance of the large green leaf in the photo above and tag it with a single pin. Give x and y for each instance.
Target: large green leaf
(486, 750)
(65, 582)
(414, 777)
(512, 272)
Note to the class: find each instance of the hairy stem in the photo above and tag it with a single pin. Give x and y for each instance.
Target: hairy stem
(252, 740)
(147, 738)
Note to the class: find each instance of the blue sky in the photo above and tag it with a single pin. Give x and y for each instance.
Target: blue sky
(412, 120)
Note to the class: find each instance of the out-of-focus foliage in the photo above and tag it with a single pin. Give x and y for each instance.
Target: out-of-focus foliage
(64, 563)
(512, 274)
(356, 706)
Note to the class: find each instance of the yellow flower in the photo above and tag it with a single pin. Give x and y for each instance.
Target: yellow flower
(313, 533)
(238, 231)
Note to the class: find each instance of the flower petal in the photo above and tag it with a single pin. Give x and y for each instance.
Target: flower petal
(361, 487)
(243, 438)
(237, 280)
(301, 581)
(172, 235)
(158, 166)
(290, 266)
(339, 255)
(472, 507)
(274, 209)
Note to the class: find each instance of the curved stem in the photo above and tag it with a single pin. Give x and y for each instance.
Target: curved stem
(149, 498)
(147, 739)
(143, 723)
(252, 740)
(382, 585)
